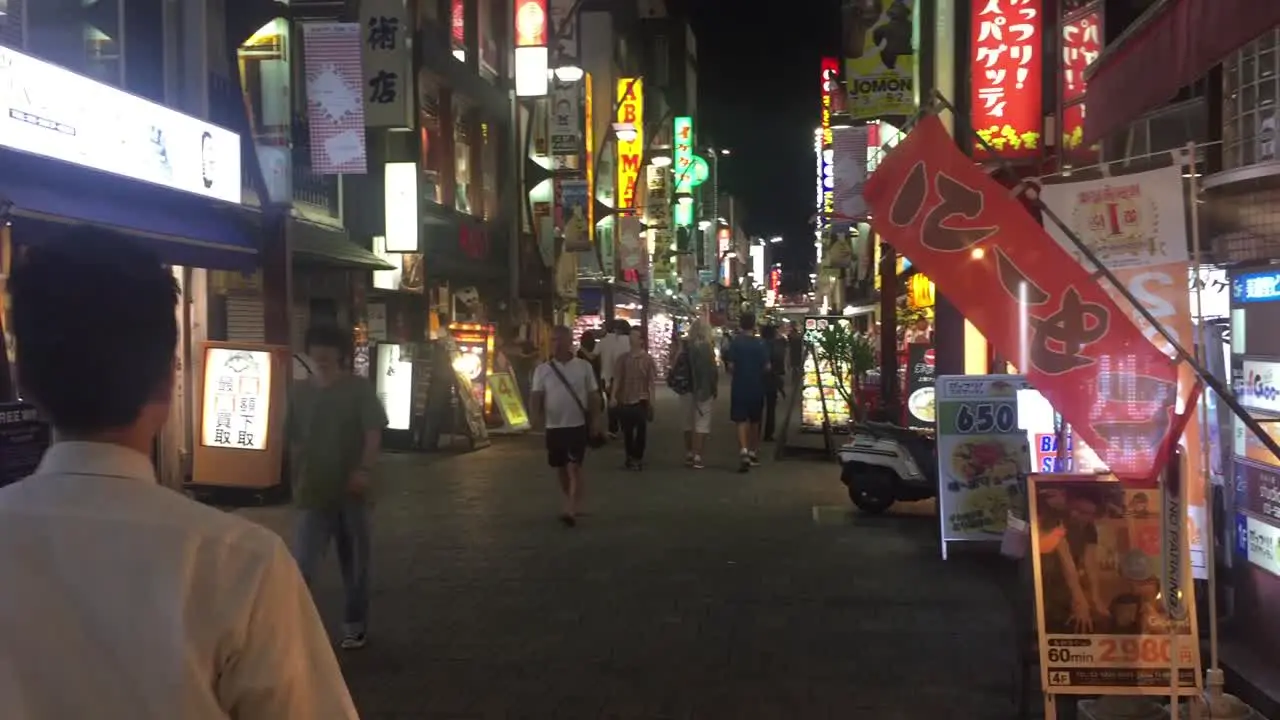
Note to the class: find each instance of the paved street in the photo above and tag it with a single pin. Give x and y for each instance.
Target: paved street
(683, 594)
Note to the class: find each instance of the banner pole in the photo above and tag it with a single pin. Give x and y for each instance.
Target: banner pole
(1218, 387)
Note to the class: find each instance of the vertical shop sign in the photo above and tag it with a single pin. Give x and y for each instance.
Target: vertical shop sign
(335, 106)
(986, 253)
(631, 245)
(682, 157)
(849, 172)
(566, 124)
(237, 398)
(531, 23)
(630, 101)
(1006, 70)
(658, 219)
(821, 196)
(563, 27)
(571, 211)
(387, 64)
(1081, 45)
(879, 57)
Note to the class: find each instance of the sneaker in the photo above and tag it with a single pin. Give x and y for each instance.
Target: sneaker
(753, 459)
(695, 462)
(744, 462)
(690, 459)
(353, 640)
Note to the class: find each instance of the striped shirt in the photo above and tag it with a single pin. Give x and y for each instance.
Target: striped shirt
(635, 375)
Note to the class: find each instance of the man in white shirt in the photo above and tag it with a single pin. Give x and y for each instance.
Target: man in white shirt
(566, 401)
(121, 598)
(613, 346)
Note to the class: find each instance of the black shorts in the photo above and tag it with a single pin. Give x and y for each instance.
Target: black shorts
(566, 445)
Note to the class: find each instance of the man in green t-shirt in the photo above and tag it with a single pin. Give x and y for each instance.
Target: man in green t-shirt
(335, 436)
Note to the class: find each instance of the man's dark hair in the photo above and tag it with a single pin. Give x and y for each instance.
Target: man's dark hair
(588, 340)
(769, 332)
(329, 336)
(747, 321)
(95, 329)
(622, 327)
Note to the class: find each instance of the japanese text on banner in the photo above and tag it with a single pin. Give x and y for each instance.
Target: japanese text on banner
(1006, 71)
(986, 252)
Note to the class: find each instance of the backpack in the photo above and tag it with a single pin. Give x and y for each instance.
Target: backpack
(680, 374)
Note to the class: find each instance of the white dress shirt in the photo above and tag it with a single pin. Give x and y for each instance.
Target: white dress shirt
(123, 600)
(612, 347)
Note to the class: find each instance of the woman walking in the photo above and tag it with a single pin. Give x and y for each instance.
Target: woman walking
(695, 405)
(635, 377)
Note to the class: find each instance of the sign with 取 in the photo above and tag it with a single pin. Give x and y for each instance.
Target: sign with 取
(237, 399)
(1006, 68)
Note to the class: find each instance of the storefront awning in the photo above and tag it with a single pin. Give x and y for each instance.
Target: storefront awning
(44, 196)
(1173, 44)
(317, 245)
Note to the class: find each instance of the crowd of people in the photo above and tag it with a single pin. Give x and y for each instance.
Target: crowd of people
(606, 388)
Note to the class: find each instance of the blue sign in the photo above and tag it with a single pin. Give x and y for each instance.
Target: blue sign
(1263, 286)
(1242, 535)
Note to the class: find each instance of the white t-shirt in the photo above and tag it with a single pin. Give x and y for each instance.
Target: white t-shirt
(612, 347)
(562, 411)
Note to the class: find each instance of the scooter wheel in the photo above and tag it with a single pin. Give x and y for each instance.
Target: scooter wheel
(868, 502)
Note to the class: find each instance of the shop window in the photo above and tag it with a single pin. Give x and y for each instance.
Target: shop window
(488, 14)
(1252, 85)
(462, 164)
(458, 29)
(430, 129)
(489, 170)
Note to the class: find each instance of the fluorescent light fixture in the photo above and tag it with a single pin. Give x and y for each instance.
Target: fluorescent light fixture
(776, 239)
(686, 200)
(569, 73)
(460, 55)
(531, 72)
(625, 132)
(401, 209)
(704, 224)
(661, 161)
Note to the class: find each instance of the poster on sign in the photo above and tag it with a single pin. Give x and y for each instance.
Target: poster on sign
(985, 252)
(241, 411)
(1006, 67)
(879, 57)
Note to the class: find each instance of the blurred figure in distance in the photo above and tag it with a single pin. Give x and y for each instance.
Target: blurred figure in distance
(155, 607)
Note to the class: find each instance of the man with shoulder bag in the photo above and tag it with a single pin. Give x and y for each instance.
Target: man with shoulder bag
(566, 402)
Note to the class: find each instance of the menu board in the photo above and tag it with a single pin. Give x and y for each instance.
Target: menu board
(23, 440)
(981, 452)
(237, 398)
(921, 371)
(819, 382)
(507, 397)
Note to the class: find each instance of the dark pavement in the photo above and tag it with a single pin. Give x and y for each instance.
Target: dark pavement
(683, 594)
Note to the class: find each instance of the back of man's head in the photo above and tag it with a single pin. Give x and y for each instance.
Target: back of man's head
(622, 327)
(95, 331)
(747, 322)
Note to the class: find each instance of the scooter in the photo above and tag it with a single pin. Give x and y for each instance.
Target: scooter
(885, 463)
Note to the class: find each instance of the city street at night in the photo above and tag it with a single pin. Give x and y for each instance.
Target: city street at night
(682, 594)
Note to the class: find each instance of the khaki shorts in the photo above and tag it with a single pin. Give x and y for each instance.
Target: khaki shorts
(697, 415)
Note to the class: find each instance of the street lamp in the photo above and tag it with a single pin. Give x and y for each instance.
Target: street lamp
(775, 239)
(661, 161)
(625, 132)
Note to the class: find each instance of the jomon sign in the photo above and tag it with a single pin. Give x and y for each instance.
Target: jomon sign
(985, 251)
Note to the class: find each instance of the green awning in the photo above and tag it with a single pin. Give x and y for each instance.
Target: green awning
(317, 245)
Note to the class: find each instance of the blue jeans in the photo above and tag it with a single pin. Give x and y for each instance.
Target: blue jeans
(348, 528)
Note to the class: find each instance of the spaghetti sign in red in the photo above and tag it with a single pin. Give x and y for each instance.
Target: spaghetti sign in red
(1007, 71)
(985, 251)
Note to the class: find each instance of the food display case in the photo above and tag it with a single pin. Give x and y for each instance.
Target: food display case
(819, 381)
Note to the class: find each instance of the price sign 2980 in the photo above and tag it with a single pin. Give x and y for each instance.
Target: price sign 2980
(985, 418)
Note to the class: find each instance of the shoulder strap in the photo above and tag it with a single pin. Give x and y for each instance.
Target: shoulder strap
(567, 386)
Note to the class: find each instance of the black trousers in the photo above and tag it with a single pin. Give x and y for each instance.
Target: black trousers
(635, 428)
(772, 386)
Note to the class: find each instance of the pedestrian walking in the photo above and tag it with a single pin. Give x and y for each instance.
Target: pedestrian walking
(774, 378)
(123, 598)
(795, 349)
(566, 402)
(747, 361)
(335, 435)
(696, 403)
(613, 346)
(635, 377)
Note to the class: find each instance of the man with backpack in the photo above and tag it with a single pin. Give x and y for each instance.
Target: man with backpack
(695, 378)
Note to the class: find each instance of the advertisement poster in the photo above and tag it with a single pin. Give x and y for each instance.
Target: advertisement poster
(981, 453)
(1135, 224)
(1100, 562)
(572, 215)
(879, 57)
(335, 97)
(507, 397)
(819, 384)
(237, 398)
(922, 409)
(23, 440)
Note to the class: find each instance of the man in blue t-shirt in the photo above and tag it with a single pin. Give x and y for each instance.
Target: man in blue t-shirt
(748, 362)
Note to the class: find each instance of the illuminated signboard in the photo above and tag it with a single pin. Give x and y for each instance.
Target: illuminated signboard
(52, 112)
(630, 101)
(828, 77)
(1006, 67)
(1261, 543)
(817, 153)
(237, 398)
(682, 158)
(531, 23)
(1255, 287)
(1081, 45)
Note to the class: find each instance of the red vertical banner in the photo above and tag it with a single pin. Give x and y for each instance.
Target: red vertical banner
(1081, 44)
(1006, 77)
(995, 262)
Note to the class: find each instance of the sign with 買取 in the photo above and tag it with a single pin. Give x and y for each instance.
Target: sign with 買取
(1102, 574)
(507, 397)
(981, 453)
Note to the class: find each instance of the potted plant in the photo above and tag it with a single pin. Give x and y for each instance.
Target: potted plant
(850, 356)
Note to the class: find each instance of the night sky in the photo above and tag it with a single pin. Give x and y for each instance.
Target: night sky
(758, 94)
